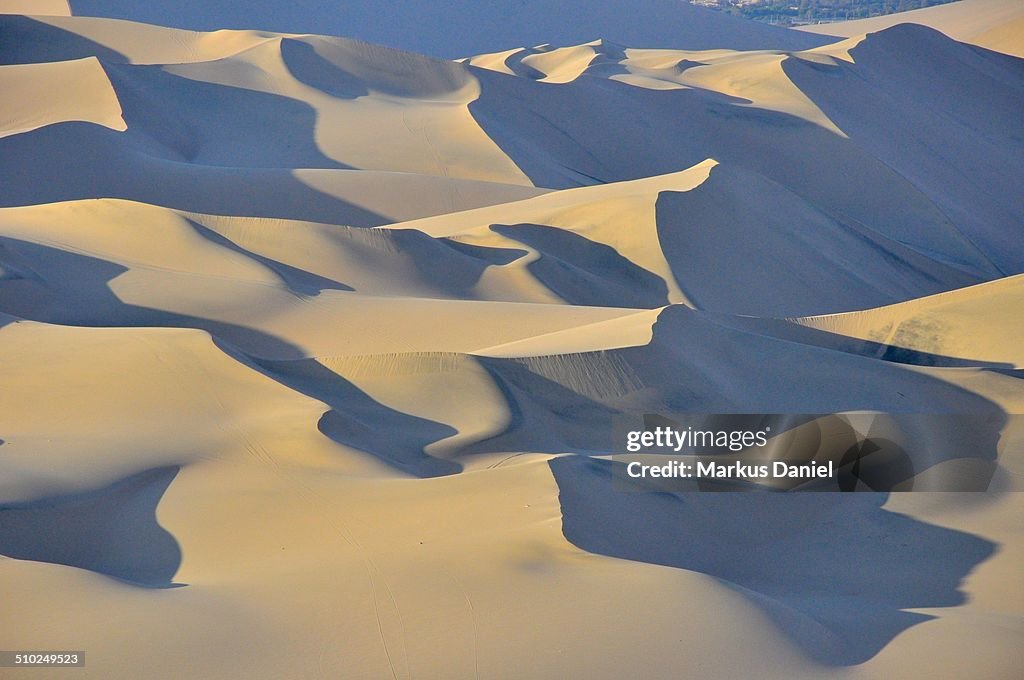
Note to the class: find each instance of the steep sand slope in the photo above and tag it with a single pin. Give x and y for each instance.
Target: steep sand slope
(252, 132)
(909, 159)
(41, 37)
(261, 133)
(479, 553)
(244, 435)
(45, 94)
(993, 24)
(978, 324)
(684, 227)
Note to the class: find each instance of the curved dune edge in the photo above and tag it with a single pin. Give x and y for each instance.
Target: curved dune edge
(978, 323)
(993, 24)
(310, 348)
(45, 94)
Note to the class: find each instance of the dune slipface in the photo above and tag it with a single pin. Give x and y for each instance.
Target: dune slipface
(313, 350)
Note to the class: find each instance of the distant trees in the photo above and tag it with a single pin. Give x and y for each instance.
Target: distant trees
(788, 12)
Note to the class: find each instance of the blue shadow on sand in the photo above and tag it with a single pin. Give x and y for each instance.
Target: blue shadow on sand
(835, 572)
(111, 531)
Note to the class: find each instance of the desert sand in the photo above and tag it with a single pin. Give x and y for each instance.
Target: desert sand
(993, 24)
(309, 346)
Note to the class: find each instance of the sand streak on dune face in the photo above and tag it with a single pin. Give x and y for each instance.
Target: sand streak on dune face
(310, 349)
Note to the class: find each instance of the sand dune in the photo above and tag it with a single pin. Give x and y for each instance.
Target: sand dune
(890, 148)
(683, 226)
(191, 120)
(49, 7)
(311, 349)
(975, 324)
(455, 28)
(45, 95)
(993, 24)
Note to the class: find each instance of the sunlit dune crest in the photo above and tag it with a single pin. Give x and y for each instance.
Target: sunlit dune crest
(311, 347)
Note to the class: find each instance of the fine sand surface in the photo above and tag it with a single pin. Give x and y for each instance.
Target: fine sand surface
(310, 347)
(992, 24)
